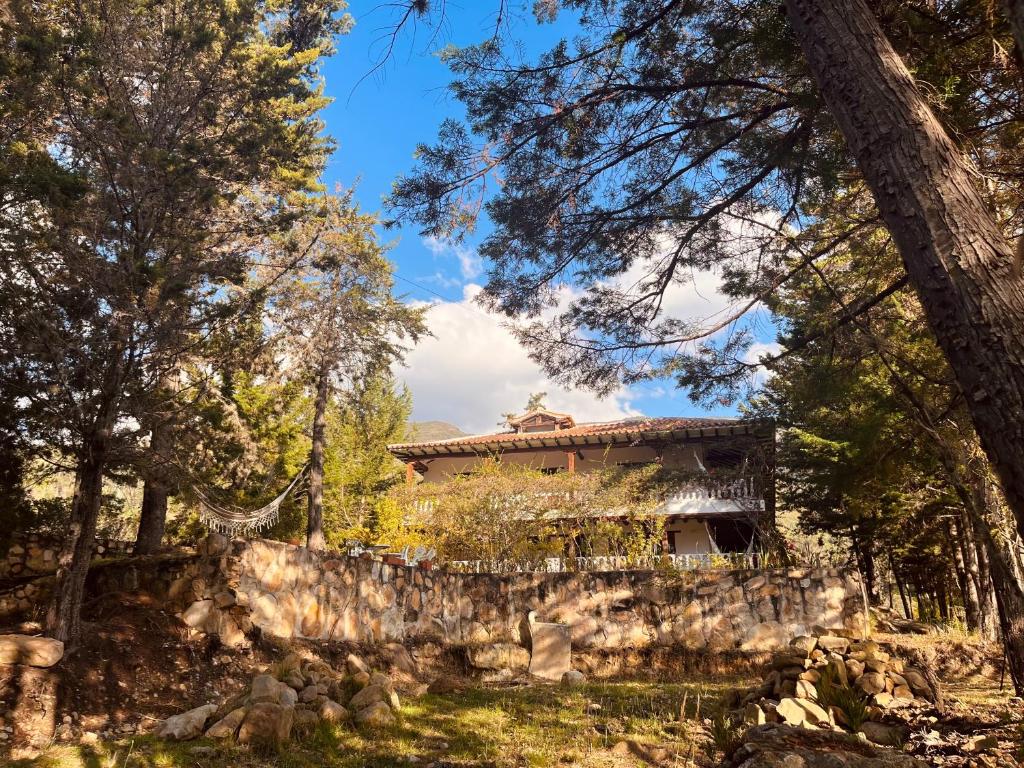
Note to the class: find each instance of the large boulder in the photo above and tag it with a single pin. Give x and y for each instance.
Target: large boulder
(369, 696)
(780, 746)
(551, 650)
(378, 714)
(266, 723)
(29, 650)
(187, 725)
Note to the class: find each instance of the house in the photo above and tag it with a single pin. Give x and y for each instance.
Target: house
(722, 505)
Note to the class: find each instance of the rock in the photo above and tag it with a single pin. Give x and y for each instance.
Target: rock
(400, 658)
(551, 651)
(800, 711)
(294, 680)
(355, 665)
(833, 643)
(224, 599)
(882, 734)
(305, 720)
(198, 614)
(498, 656)
(806, 690)
(333, 712)
(287, 697)
(902, 692)
(308, 694)
(981, 743)
(376, 714)
(362, 679)
(371, 694)
(445, 684)
(264, 688)
(766, 636)
(871, 682)
(573, 678)
(776, 745)
(753, 715)
(854, 668)
(266, 723)
(187, 725)
(31, 651)
(227, 726)
(804, 643)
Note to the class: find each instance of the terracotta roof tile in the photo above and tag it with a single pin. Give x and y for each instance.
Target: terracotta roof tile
(624, 427)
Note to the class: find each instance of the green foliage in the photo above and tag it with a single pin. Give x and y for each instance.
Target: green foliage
(504, 513)
(852, 702)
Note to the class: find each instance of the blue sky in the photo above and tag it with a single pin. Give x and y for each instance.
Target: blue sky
(472, 370)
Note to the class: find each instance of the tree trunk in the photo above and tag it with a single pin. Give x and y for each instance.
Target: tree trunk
(963, 268)
(156, 491)
(63, 621)
(315, 523)
(1015, 13)
(961, 550)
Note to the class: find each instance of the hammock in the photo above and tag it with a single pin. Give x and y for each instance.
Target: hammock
(232, 520)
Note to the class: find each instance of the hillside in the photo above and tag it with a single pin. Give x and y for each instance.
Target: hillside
(422, 431)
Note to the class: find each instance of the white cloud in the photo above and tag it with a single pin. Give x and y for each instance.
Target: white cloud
(471, 266)
(473, 370)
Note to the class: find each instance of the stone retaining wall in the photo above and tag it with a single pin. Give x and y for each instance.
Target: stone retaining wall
(35, 554)
(288, 591)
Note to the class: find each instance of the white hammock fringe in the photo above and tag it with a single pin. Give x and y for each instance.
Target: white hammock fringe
(235, 521)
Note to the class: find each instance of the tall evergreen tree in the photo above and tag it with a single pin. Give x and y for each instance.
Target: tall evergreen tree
(189, 133)
(342, 324)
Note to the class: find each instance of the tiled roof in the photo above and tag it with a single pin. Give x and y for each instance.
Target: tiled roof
(582, 434)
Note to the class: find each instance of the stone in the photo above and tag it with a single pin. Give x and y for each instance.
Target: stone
(308, 694)
(854, 668)
(882, 734)
(224, 599)
(377, 714)
(355, 665)
(227, 726)
(498, 656)
(294, 680)
(187, 725)
(333, 712)
(806, 690)
(305, 720)
(981, 743)
(371, 694)
(753, 715)
(32, 651)
(834, 643)
(871, 682)
(804, 643)
(767, 636)
(199, 614)
(551, 650)
(362, 679)
(445, 684)
(266, 723)
(400, 658)
(801, 711)
(573, 679)
(776, 745)
(902, 692)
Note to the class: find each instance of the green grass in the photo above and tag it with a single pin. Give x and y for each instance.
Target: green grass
(537, 726)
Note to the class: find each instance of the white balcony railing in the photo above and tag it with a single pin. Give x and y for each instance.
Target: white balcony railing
(725, 560)
(696, 497)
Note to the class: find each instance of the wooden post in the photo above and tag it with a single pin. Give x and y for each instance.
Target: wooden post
(410, 473)
(571, 459)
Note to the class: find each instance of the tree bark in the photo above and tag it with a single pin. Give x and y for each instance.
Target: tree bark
(963, 268)
(63, 620)
(153, 519)
(315, 522)
(1015, 13)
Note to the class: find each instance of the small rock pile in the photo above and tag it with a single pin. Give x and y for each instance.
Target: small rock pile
(297, 696)
(794, 689)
